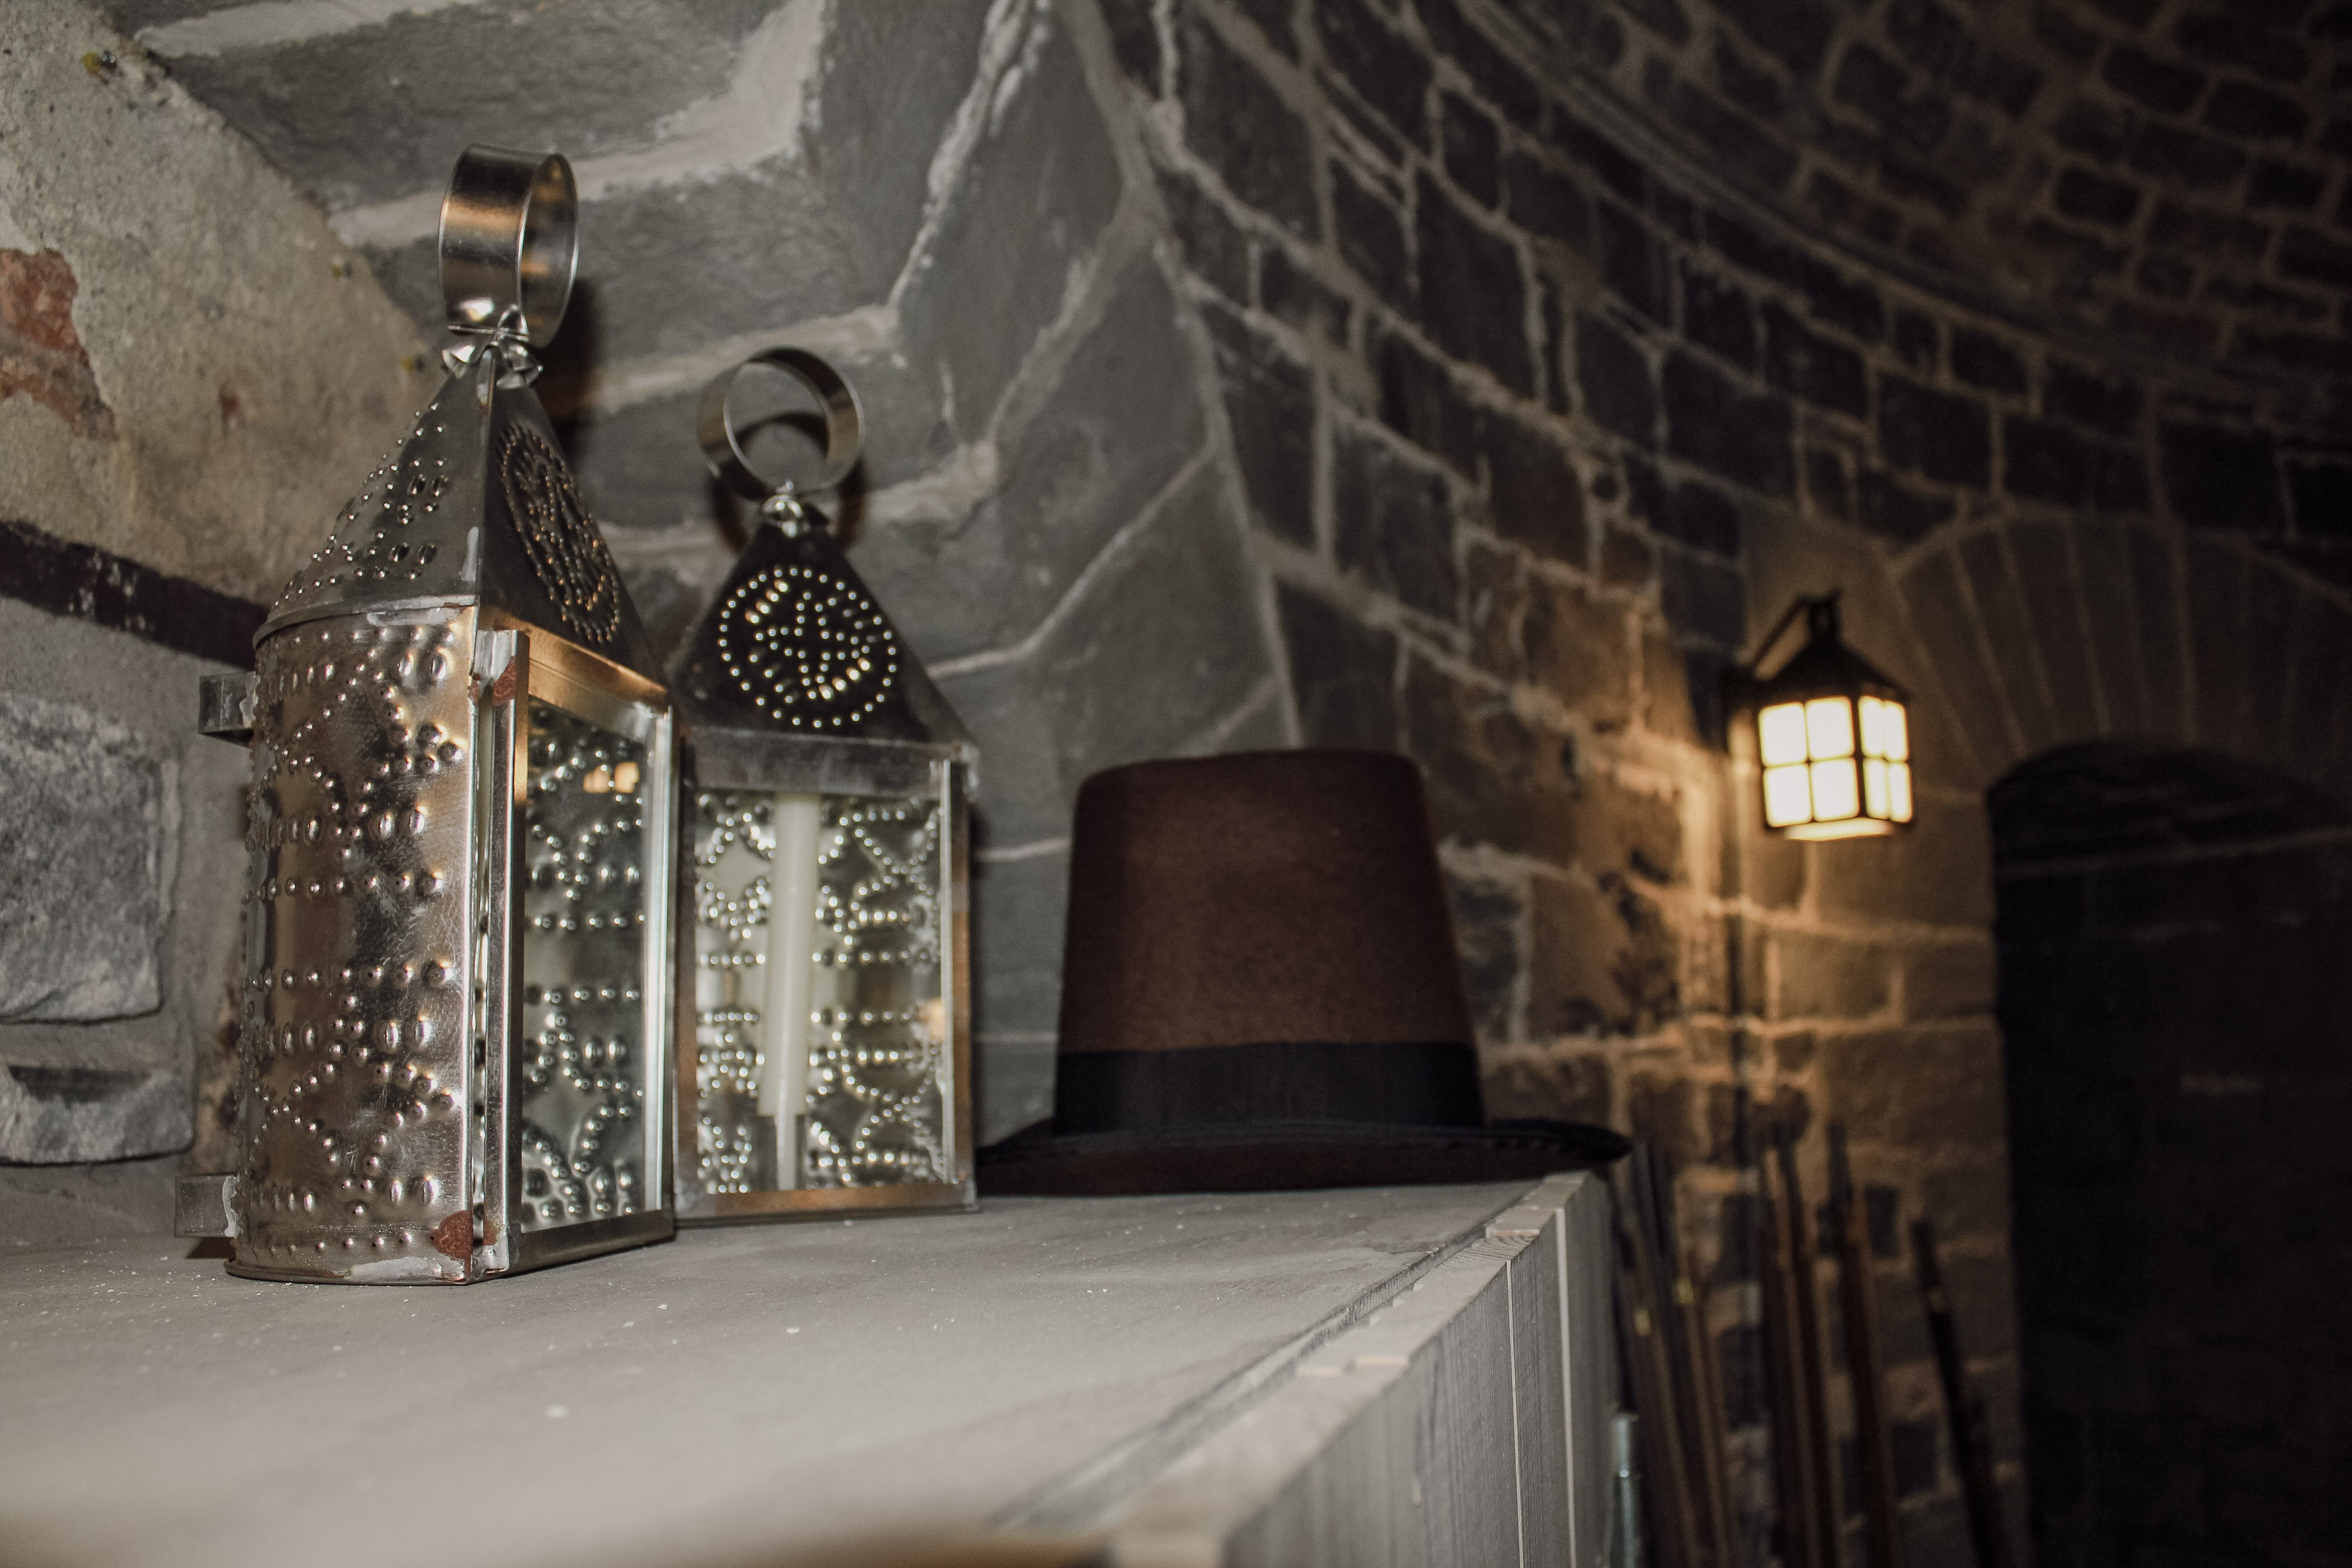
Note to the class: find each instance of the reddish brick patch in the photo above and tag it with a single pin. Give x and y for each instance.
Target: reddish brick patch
(41, 356)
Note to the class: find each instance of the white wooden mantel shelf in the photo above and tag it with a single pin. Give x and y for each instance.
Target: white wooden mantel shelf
(1411, 1375)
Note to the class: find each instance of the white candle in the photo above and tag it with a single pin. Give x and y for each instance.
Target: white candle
(784, 1021)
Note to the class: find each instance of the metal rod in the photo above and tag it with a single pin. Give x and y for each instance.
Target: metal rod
(1963, 1407)
(1795, 1480)
(1650, 1365)
(1865, 1370)
(1804, 1279)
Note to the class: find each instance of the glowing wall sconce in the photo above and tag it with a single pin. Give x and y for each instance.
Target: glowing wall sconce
(1832, 733)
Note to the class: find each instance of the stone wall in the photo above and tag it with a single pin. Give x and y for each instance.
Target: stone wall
(1546, 400)
(2167, 924)
(191, 368)
(1471, 378)
(932, 195)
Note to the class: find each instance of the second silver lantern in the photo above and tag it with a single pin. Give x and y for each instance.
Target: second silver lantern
(826, 985)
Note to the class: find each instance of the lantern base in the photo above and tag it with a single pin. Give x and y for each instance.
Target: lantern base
(1852, 827)
(828, 1203)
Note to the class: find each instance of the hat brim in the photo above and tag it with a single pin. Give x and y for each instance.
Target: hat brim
(1277, 1156)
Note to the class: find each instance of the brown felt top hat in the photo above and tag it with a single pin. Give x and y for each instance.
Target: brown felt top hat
(1259, 990)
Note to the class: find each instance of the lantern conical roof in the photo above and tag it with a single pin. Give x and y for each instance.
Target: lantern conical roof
(478, 507)
(1824, 664)
(795, 660)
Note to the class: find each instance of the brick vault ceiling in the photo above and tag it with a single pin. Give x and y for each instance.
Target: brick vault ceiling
(2167, 177)
(2169, 172)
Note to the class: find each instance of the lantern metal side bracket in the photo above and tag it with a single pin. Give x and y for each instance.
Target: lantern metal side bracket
(226, 706)
(205, 1206)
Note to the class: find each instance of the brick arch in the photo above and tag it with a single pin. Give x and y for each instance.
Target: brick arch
(2038, 633)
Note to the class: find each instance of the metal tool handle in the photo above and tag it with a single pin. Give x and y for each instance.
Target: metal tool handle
(714, 428)
(510, 241)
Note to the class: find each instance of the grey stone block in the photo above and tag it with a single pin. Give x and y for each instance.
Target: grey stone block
(1394, 520)
(1017, 941)
(1487, 917)
(1604, 960)
(1026, 211)
(1473, 291)
(133, 15)
(1170, 642)
(1241, 128)
(1342, 674)
(1578, 650)
(149, 692)
(1270, 407)
(1492, 778)
(667, 267)
(1135, 41)
(639, 467)
(1386, 71)
(63, 1115)
(1536, 497)
(377, 112)
(668, 606)
(1215, 249)
(1013, 1086)
(88, 820)
(70, 1205)
(1167, 643)
(1122, 420)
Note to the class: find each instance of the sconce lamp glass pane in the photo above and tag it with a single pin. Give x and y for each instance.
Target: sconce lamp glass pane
(1780, 734)
(1835, 794)
(1829, 728)
(821, 1018)
(1885, 729)
(1788, 796)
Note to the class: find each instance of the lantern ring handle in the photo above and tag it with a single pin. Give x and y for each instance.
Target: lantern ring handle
(509, 243)
(722, 448)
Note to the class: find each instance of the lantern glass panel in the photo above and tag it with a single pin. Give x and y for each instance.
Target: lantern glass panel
(1829, 728)
(1788, 796)
(821, 1013)
(1780, 734)
(1884, 731)
(1837, 793)
(1898, 791)
(589, 1043)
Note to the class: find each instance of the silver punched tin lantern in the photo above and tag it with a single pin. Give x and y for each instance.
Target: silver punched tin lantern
(824, 989)
(454, 1045)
